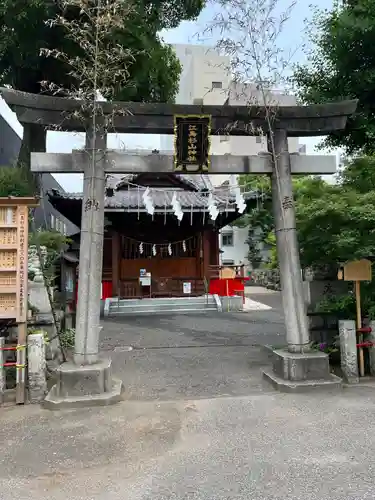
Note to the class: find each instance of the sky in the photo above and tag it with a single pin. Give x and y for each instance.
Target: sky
(292, 38)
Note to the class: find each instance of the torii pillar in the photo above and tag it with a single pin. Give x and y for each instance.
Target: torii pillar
(298, 337)
(87, 381)
(296, 368)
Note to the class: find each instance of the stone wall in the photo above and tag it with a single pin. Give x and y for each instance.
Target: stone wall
(231, 304)
(268, 278)
(39, 299)
(317, 286)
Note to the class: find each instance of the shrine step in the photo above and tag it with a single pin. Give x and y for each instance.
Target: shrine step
(160, 305)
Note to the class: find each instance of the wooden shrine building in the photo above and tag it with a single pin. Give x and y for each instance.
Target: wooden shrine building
(168, 253)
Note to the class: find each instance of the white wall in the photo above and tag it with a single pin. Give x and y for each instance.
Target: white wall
(201, 66)
(236, 253)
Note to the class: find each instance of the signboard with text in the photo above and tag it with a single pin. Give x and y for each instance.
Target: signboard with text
(14, 224)
(192, 143)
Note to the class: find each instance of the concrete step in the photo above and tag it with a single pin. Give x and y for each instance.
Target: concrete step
(167, 300)
(159, 307)
(136, 311)
(171, 304)
(162, 305)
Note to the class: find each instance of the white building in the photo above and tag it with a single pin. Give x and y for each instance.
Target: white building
(206, 79)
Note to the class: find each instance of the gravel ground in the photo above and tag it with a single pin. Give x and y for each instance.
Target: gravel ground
(196, 423)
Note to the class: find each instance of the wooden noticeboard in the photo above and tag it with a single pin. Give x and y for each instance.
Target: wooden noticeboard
(227, 273)
(358, 270)
(14, 232)
(14, 222)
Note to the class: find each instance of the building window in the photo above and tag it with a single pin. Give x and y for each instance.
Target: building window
(227, 239)
(60, 226)
(217, 85)
(52, 222)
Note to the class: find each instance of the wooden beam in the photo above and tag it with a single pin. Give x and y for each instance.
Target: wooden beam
(115, 263)
(122, 162)
(157, 118)
(206, 247)
(13, 201)
(214, 248)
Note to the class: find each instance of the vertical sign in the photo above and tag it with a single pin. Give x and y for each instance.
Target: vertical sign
(22, 262)
(192, 143)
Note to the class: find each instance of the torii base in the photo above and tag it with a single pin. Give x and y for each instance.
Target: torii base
(296, 372)
(84, 386)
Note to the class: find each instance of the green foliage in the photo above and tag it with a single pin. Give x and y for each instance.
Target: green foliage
(52, 240)
(335, 223)
(359, 174)
(253, 253)
(67, 338)
(14, 182)
(342, 306)
(55, 243)
(327, 348)
(153, 76)
(259, 217)
(336, 227)
(342, 65)
(270, 240)
(23, 34)
(306, 189)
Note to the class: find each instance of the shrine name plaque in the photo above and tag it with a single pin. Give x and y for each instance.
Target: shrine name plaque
(192, 143)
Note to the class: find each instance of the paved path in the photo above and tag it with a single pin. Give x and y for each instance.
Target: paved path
(259, 290)
(197, 424)
(199, 355)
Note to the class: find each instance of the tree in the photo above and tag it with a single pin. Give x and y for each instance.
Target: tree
(152, 76)
(307, 189)
(14, 182)
(342, 65)
(259, 217)
(334, 222)
(337, 223)
(336, 227)
(359, 174)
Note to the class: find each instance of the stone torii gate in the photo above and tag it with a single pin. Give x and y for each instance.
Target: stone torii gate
(88, 380)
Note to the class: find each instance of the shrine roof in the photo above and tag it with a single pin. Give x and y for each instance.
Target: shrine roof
(161, 198)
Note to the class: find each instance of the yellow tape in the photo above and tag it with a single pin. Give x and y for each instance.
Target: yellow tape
(20, 366)
(20, 347)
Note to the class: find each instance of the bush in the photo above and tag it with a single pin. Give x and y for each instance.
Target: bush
(340, 305)
(344, 306)
(52, 240)
(67, 338)
(14, 182)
